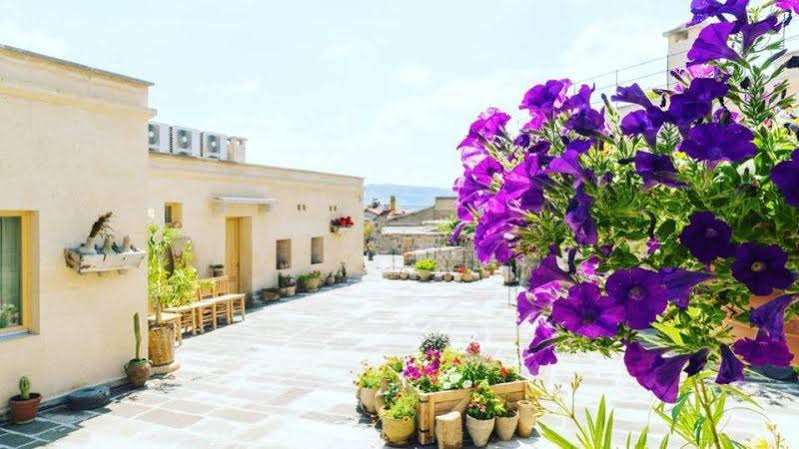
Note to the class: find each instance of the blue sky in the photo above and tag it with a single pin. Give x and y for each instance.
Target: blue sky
(380, 89)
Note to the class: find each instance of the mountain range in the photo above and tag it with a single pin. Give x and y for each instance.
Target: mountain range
(409, 198)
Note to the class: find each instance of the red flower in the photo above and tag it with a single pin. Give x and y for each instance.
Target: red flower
(473, 348)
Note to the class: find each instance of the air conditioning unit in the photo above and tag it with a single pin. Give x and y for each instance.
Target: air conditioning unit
(214, 146)
(185, 141)
(158, 138)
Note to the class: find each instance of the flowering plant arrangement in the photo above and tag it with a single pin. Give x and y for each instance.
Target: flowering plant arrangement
(434, 340)
(403, 405)
(483, 403)
(425, 265)
(342, 222)
(369, 377)
(654, 226)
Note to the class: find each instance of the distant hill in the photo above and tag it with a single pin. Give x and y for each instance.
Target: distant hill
(409, 198)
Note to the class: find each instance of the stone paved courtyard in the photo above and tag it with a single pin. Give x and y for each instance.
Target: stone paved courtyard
(282, 379)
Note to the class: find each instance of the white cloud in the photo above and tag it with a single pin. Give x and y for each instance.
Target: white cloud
(13, 35)
(347, 49)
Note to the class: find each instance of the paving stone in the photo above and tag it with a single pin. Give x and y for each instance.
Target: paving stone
(32, 428)
(169, 419)
(56, 433)
(15, 440)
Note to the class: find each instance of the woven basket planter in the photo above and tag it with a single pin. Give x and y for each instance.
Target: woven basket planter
(161, 345)
(506, 426)
(479, 430)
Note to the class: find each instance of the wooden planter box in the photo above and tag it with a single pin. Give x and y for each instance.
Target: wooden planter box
(439, 403)
(99, 263)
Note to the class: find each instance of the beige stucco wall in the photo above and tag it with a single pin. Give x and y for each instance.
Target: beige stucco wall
(194, 182)
(71, 145)
(680, 40)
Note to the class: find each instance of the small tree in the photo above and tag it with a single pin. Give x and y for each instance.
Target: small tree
(170, 281)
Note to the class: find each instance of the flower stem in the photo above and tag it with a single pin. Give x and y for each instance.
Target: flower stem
(702, 397)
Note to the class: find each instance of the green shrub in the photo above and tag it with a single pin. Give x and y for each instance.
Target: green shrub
(425, 265)
(369, 377)
(484, 403)
(404, 406)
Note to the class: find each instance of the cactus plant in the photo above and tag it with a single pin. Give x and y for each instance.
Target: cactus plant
(137, 334)
(24, 388)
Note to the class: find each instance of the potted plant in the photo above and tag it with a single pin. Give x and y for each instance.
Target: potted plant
(481, 413)
(315, 280)
(217, 270)
(138, 368)
(528, 413)
(458, 276)
(287, 285)
(25, 405)
(170, 283)
(507, 421)
(403, 275)
(304, 282)
(368, 383)
(370, 250)
(425, 269)
(341, 276)
(399, 419)
(270, 294)
(330, 279)
(467, 275)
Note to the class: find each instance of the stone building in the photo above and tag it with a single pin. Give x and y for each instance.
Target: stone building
(74, 145)
(416, 230)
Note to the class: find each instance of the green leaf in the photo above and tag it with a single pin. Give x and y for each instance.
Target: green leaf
(641, 444)
(555, 437)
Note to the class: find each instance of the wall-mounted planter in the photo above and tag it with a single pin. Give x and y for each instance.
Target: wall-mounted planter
(338, 230)
(100, 262)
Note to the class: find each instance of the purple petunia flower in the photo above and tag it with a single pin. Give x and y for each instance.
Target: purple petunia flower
(645, 123)
(679, 283)
(764, 350)
(714, 142)
(585, 312)
(752, 31)
(579, 219)
(770, 317)
(642, 294)
(658, 374)
(544, 101)
(526, 182)
(696, 101)
(697, 362)
(579, 145)
(535, 357)
(761, 268)
(731, 369)
(788, 5)
(704, 9)
(569, 164)
(456, 233)
(785, 176)
(543, 297)
(489, 125)
(548, 271)
(632, 94)
(707, 237)
(711, 44)
(587, 122)
(656, 169)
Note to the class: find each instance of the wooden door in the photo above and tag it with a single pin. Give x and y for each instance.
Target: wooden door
(233, 253)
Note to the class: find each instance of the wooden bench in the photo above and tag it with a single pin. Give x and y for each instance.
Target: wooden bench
(205, 306)
(235, 302)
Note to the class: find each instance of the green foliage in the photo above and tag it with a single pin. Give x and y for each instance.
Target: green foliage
(369, 377)
(699, 410)
(8, 315)
(404, 406)
(484, 404)
(24, 388)
(594, 431)
(425, 265)
(170, 282)
(285, 281)
(434, 340)
(342, 272)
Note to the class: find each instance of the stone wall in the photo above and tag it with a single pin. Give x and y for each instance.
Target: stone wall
(447, 258)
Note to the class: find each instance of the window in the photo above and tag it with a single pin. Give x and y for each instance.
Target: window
(173, 215)
(14, 309)
(283, 249)
(317, 250)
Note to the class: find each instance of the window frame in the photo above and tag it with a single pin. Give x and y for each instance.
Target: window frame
(321, 258)
(25, 271)
(175, 214)
(288, 253)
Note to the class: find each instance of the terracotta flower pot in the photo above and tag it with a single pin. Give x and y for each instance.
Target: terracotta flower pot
(425, 275)
(398, 431)
(403, 275)
(479, 430)
(367, 398)
(287, 292)
(448, 277)
(161, 345)
(468, 277)
(138, 373)
(527, 414)
(457, 277)
(743, 330)
(506, 426)
(24, 410)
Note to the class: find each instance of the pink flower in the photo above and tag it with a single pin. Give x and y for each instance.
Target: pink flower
(788, 5)
(473, 348)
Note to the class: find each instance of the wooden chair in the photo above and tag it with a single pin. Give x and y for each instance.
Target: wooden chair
(237, 301)
(205, 306)
(224, 304)
(187, 319)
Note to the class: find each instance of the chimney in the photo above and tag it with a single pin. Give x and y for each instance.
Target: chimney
(393, 206)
